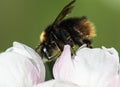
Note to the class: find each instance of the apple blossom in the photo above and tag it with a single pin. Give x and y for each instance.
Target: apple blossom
(88, 67)
(20, 66)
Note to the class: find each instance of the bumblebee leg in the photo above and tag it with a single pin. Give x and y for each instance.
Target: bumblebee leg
(37, 47)
(73, 51)
(66, 38)
(79, 43)
(58, 47)
(88, 42)
(57, 42)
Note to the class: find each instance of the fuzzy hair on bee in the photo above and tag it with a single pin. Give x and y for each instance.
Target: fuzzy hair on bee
(72, 31)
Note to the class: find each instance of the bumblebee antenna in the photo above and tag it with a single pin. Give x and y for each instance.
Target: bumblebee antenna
(67, 9)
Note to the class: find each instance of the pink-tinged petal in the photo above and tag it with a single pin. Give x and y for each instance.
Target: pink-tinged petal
(89, 67)
(19, 69)
(33, 57)
(34, 73)
(57, 83)
(115, 82)
(65, 61)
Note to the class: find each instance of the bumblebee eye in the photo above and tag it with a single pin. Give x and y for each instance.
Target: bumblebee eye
(45, 52)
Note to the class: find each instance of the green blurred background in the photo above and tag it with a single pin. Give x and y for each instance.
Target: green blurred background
(23, 20)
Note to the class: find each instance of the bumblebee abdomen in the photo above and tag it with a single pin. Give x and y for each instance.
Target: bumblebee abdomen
(87, 28)
(80, 27)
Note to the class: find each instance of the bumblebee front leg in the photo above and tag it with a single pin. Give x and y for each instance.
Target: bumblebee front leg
(37, 47)
(66, 38)
(58, 43)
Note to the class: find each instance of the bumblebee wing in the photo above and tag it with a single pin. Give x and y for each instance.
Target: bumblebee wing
(67, 9)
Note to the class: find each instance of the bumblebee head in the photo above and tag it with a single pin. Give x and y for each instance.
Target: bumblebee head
(46, 50)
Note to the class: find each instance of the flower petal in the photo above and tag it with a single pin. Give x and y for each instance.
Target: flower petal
(34, 57)
(89, 67)
(96, 66)
(64, 61)
(20, 66)
(115, 82)
(56, 83)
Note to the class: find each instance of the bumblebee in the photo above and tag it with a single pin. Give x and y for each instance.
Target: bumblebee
(72, 31)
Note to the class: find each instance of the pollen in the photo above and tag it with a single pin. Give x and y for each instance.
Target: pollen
(42, 36)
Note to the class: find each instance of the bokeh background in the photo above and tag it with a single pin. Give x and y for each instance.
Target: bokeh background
(23, 20)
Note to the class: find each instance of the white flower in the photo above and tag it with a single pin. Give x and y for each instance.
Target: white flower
(56, 83)
(89, 67)
(20, 66)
